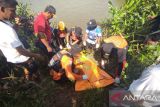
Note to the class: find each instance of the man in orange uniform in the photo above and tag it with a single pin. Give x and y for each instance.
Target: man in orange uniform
(116, 46)
(77, 67)
(63, 60)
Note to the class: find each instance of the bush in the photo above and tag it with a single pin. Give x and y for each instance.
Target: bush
(131, 20)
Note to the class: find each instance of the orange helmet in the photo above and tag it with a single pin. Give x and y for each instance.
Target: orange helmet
(61, 25)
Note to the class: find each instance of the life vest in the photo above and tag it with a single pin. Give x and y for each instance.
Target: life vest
(118, 41)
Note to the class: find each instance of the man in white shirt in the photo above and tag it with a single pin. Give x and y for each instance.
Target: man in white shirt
(10, 45)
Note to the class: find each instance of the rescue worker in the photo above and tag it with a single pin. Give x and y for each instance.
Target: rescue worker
(115, 46)
(80, 69)
(60, 61)
(60, 34)
(93, 35)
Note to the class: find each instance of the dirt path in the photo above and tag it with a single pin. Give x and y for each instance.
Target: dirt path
(65, 97)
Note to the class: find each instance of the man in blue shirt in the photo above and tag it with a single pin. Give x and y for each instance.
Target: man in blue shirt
(93, 34)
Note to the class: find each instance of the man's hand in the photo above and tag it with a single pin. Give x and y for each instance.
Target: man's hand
(17, 21)
(84, 43)
(60, 47)
(84, 77)
(42, 60)
(49, 49)
(64, 52)
(39, 57)
(68, 46)
(97, 45)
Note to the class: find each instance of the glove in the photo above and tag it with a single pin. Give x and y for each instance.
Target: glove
(84, 77)
(102, 64)
(60, 47)
(51, 62)
(84, 43)
(117, 80)
(68, 46)
(97, 45)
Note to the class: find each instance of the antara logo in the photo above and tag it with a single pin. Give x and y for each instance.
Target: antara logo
(138, 98)
(116, 98)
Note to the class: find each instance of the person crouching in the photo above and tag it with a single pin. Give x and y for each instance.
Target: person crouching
(93, 35)
(115, 46)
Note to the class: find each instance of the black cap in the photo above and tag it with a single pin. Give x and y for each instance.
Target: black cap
(92, 24)
(50, 9)
(77, 30)
(8, 3)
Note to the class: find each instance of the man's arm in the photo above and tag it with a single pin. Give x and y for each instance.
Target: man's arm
(24, 52)
(67, 40)
(44, 41)
(67, 65)
(98, 40)
(67, 37)
(75, 42)
(84, 38)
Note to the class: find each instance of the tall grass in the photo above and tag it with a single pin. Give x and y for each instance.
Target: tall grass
(132, 20)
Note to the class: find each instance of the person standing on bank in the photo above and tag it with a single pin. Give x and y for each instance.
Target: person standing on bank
(43, 31)
(10, 45)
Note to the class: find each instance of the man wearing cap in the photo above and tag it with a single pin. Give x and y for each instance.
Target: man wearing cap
(93, 34)
(42, 30)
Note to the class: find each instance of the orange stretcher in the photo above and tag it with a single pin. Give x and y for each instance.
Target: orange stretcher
(97, 77)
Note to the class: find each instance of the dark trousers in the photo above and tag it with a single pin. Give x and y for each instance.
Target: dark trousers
(119, 69)
(61, 41)
(19, 69)
(116, 59)
(90, 46)
(43, 50)
(30, 65)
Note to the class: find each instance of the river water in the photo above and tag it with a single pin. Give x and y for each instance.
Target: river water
(75, 12)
